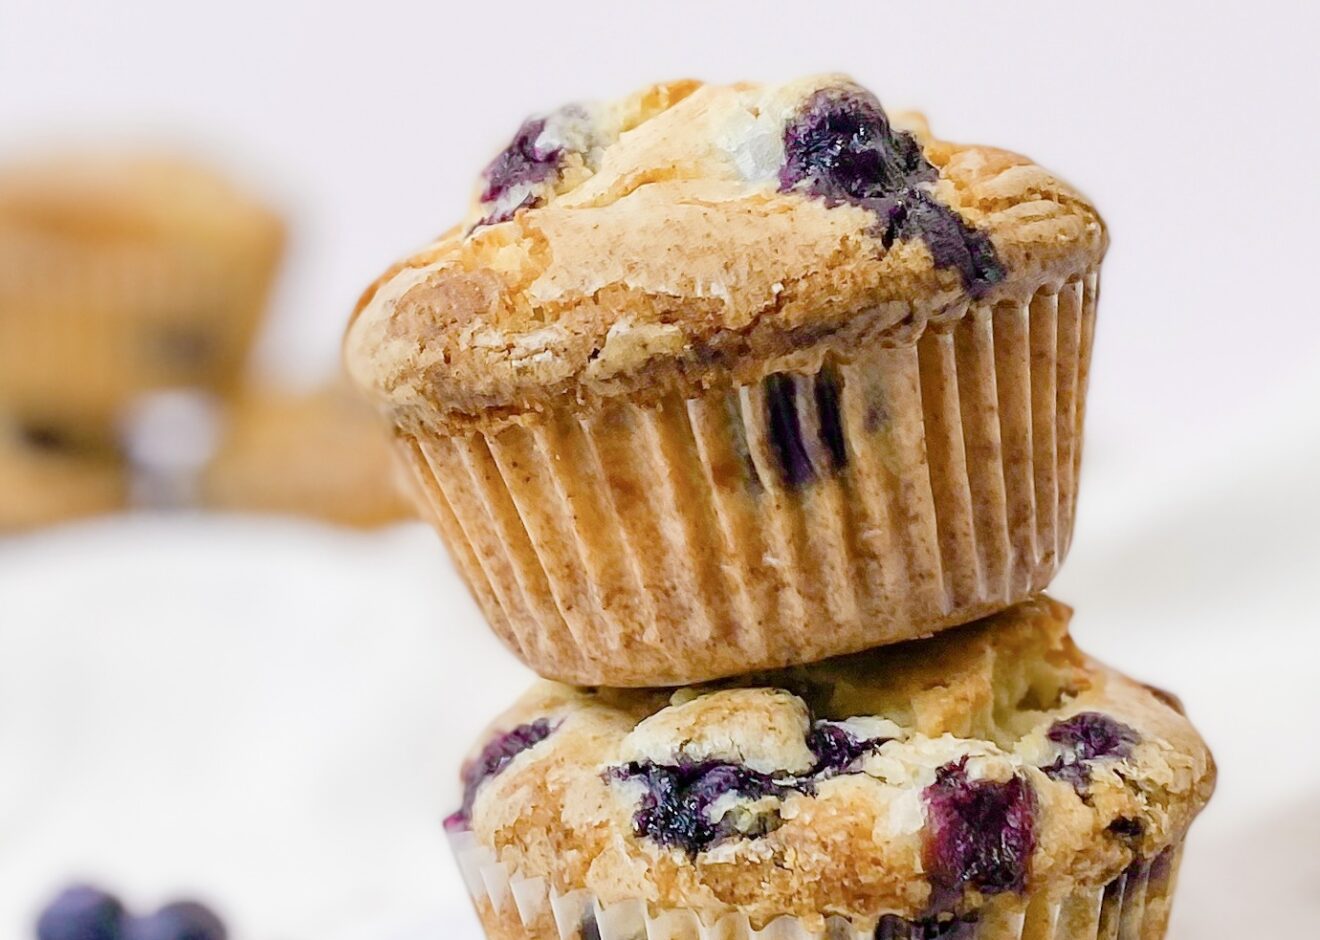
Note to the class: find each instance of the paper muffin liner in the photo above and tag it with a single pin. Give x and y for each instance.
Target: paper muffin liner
(1135, 906)
(883, 496)
(89, 327)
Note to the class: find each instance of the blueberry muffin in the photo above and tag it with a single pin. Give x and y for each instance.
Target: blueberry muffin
(122, 273)
(989, 782)
(323, 454)
(50, 473)
(718, 378)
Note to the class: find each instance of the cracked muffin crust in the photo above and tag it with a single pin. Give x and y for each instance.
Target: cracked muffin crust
(993, 775)
(711, 364)
(688, 234)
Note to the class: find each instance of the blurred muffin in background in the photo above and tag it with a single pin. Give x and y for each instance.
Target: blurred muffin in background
(323, 454)
(123, 273)
(50, 473)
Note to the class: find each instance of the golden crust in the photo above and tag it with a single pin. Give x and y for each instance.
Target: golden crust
(853, 847)
(678, 263)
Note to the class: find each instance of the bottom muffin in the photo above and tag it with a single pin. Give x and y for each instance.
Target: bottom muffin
(992, 782)
(50, 473)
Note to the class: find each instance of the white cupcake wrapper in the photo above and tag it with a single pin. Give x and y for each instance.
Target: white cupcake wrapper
(682, 540)
(1134, 907)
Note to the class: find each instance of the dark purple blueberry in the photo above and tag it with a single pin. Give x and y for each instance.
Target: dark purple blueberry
(892, 927)
(494, 757)
(82, 912)
(517, 164)
(841, 148)
(1127, 827)
(1092, 735)
(831, 421)
(674, 810)
(1075, 774)
(181, 920)
(786, 431)
(836, 750)
(1086, 737)
(951, 241)
(978, 832)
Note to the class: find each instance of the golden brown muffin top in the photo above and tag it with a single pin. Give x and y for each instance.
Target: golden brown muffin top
(691, 234)
(991, 762)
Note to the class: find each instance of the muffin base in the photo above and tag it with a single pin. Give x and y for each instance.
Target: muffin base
(849, 500)
(1135, 906)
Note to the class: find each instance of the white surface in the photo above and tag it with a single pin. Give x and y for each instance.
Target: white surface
(271, 714)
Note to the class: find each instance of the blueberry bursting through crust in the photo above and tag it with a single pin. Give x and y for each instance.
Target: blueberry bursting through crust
(1083, 739)
(521, 163)
(675, 808)
(840, 147)
(494, 757)
(978, 832)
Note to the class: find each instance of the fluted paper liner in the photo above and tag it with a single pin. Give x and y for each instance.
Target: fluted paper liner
(88, 327)
(885, 495)
(1135, 906)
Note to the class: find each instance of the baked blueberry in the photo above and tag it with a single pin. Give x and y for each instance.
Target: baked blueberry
(840, 147)
(978, 832)
(836, 749)
(675, 810)
(1087, 737)
(1092, 735)
(181, 920)
(82, 912)
(892, 927)
(494, 757)
(522, 162)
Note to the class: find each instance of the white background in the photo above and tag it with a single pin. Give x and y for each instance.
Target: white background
(270, 714)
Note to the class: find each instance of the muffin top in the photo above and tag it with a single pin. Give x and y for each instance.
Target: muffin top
(912, 781)
(115, 197)
(692, 234)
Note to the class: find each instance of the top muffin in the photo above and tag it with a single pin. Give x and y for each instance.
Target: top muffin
(691, 232)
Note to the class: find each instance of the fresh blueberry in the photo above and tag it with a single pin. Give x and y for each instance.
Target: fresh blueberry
(675, 809)
(494, 757)
(978, 832)
(1087, 737)
(841, 148)
(182, 920)
(82, 912)
(836, 750)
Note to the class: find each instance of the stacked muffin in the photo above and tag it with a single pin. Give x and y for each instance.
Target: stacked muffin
(120, 275)
(714, 384)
